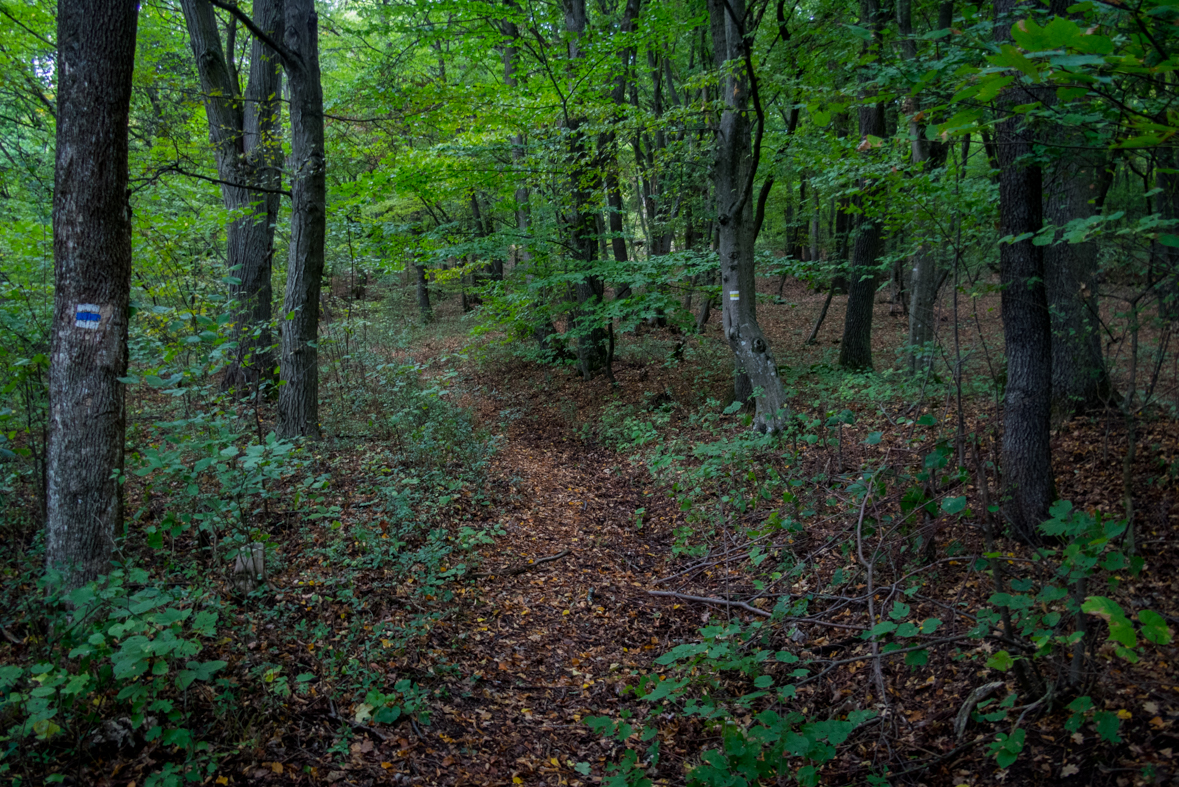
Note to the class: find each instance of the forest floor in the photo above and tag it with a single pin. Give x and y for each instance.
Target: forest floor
(556, 623)
(559, 625)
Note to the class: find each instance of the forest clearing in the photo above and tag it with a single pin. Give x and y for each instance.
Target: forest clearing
(630, 393)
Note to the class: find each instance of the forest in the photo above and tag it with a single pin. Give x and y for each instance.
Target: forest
(589, 392)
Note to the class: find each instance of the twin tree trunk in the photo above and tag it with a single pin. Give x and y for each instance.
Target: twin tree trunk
(298, 393)
(1027, 332)
(733, 174)
(92, 273)
(248, 150)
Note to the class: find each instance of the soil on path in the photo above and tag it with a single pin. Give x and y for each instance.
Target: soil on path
(538, 646)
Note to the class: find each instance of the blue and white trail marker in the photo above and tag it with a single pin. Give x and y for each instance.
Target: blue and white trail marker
(87, 316)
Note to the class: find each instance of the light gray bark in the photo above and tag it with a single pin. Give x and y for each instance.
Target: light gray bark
(92, 274)
(733, 173)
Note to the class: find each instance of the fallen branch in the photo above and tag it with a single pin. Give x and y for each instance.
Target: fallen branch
(709, 600)
(526, 567)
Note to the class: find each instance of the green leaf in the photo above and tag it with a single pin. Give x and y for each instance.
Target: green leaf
(861, 33)
(1154, 627)
(1001, 661)
(990, 88)
(917, 658)
(1120, 628)
(954, 505)
(1010, 57)
(819, 116)
(1107, 724)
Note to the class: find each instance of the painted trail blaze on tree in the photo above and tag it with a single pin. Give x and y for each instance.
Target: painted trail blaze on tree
(733, 177)
(92, 272)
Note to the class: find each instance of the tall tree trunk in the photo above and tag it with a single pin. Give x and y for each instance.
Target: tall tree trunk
(592, 337)
(923, 282)
(855, 350)
(1080, 380)
(1027, 331)
(92, 275)
(733, 175)
(544, 333)
(248, 152)
(298, 396)
(423, 290)
(1166, 258)
(608, 148)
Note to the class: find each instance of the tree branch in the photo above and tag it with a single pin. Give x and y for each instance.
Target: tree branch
(289, 58)
(176, 168)
(760, 215)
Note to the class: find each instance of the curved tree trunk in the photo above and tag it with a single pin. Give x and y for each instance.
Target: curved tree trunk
(298, 396)
(733, 173)
(92, 275)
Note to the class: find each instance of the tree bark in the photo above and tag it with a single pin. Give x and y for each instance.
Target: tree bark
(592, 351)
(1080, 379)
(607, 147)
(248, 152)
(423, 290)
(1027, 331)
(855, 350)
(92, 274)
(923, 282)
(733, 176)
(298, 397)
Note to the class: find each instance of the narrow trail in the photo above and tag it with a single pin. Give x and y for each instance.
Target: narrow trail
(539, 649)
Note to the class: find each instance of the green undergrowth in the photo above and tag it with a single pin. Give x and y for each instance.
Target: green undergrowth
(1041, 626)
(245, 584)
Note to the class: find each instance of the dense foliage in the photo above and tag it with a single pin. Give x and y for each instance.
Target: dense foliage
(537, 184)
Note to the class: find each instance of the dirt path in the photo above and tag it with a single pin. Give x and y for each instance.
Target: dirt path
(537, 651)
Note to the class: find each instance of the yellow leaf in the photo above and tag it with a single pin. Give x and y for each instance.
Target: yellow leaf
(517, 780)
(222, 780)
(1124, 714)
